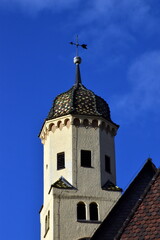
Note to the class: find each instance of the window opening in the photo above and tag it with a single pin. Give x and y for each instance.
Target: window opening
(46, 224)
(107, 164)
(85, 158)
(60, 160)
(81, 211)
(48, 219)
(93, 208)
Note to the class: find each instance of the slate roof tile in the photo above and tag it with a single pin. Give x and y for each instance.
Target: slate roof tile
(79, 100)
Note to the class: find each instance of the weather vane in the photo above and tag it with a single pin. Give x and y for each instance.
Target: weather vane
(78, 45)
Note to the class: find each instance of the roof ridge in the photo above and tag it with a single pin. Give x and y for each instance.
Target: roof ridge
(139, 201)
(138, 172)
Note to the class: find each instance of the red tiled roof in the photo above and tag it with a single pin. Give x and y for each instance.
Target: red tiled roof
(116, 221)
(145, 220)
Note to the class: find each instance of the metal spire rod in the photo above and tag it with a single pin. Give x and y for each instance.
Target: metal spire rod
(78, 45)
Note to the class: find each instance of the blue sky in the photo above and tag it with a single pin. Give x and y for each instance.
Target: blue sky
(122, 65)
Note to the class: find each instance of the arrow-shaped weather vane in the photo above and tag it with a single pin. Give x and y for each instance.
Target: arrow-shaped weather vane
(78, 45)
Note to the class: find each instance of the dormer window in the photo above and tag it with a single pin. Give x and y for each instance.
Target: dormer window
(60, 161)
(85, 158)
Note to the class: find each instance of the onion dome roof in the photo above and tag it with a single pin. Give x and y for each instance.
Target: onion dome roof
(79, 100)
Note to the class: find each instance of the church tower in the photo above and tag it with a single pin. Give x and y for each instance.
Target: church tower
(79, 164)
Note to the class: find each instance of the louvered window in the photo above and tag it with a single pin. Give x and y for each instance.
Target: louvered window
(60, 161)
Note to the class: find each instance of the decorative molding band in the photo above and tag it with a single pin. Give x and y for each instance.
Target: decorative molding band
(77, 121)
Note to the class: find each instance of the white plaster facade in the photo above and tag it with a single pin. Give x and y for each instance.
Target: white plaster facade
(71, 134)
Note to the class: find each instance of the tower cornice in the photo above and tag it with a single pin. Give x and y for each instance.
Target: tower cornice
(78, 121)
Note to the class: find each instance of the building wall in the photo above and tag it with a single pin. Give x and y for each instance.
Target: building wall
(57, 140)
(48, 207)
(65, 207)
(107, 147)
(86, 138)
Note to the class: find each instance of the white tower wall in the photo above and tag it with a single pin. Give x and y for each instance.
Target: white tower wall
(62, 135)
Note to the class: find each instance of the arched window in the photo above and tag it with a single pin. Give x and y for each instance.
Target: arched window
(81, 211)
(93, 209)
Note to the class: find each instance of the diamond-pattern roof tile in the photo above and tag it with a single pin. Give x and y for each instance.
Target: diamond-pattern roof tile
(79, 100)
